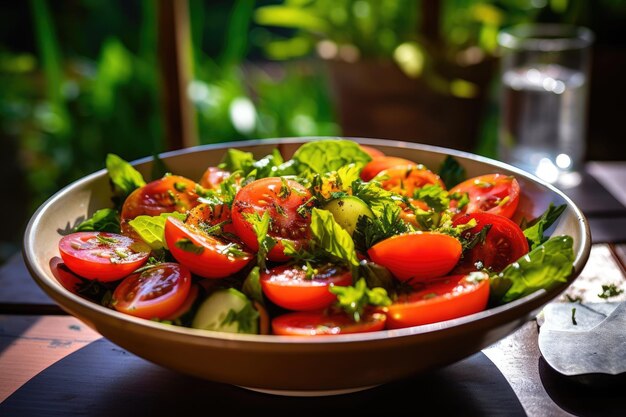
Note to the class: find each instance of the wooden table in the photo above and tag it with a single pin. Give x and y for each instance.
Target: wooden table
(52, 364)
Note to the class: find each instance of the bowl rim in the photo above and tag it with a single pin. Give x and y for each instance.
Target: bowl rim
(527, 303)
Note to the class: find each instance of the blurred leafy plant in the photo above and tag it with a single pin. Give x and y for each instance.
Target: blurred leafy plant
(239, 99)
(421, 37)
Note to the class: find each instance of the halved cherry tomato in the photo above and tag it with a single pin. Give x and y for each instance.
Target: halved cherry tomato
(504, 243)
(289, 287)
(102, 256)
(154, 293)
(320, 323)
(213, 177)
(207, 215)
(492, 193)
(373, 152)
(205, 255)
(165, 195)
(284, 201)
(69, 280)
(417, 257)
(380, 163)
(405, 179)
(452, 297)
(192, 296)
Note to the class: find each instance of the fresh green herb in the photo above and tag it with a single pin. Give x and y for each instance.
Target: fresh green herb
(261, 227)
(151, 229)
(462, 199)
(534, 231)
(329, 243)
(609, 291)
(436, 197)
(322, 156)
(232, 249)
(103, 220)
(332, 238)
(577, 299)
(285, 190)
(188, 246)
(236, 160)
(544, 267)
(354, 299)
(477, 239)
(377, 276)
(574, 316)
(252, 286)
(305, 208)
(370, 231)
(181, 187)
(106, 240)
(451, 172)
(246, 319)
(124, 178)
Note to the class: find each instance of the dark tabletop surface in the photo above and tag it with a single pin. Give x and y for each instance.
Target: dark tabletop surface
(51, 364)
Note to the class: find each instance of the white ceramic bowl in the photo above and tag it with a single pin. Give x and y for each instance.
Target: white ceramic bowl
(296, 364)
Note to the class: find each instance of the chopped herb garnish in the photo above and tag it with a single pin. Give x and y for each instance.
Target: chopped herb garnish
(609, 291)
(574, 316)
(106, 240)
(354, 299)
(188, 246)
(285, 190)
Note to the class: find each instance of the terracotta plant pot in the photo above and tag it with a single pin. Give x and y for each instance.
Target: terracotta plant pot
(376, 99)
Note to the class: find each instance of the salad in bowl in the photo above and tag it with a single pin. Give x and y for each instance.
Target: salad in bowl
(321, 244)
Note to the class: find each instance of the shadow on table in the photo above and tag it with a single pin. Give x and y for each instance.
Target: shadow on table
(600, 395)
(104, 380)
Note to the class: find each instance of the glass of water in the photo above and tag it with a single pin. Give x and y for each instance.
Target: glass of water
(545, 84)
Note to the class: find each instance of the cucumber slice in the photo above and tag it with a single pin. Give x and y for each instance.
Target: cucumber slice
(227, 310)
(346, 211)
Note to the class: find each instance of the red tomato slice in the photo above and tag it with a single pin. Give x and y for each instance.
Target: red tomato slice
(205, 255)
(155, 293)
(282, 203)
(380, 163)
(373, 152)
(102, 256)
(405, 179)
(289, 287)
(165, 195)
(452, 297)
(417, 257)
(213, 177)
(504, 243)
(319, 323)
(207, 215)
(69, 280)
(492, 193)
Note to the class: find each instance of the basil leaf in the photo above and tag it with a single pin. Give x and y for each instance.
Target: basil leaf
(151, 229)
(252, 286)
(261, 227)
(544, 267)
(327, 155)
(436, 197)
(534, 231)
(451, 172)
(354, 299)
(376, 275)
(332, 238)
(236, 160)
(124, 178)
(103, 220)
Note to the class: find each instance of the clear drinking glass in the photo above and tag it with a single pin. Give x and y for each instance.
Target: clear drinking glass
(545, 85)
